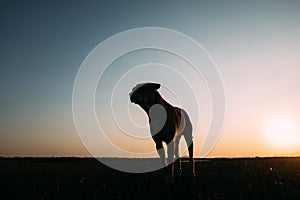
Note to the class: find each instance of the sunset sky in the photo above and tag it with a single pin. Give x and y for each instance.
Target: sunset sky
(255, 45)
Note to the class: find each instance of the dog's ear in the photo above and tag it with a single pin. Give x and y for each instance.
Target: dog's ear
(153, 86)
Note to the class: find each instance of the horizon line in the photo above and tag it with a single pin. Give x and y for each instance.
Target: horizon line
(197, 158)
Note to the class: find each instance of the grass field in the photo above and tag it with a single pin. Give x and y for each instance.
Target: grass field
(86, 178)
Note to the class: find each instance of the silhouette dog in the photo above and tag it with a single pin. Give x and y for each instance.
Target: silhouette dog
(167, 123)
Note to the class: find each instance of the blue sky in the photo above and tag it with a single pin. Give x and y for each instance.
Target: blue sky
(42, 45)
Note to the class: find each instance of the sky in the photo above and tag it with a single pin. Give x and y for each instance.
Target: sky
(255, 45)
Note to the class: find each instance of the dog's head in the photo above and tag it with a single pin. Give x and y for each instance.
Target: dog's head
(144, 94)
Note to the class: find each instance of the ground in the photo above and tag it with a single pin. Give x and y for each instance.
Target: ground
(86, 178)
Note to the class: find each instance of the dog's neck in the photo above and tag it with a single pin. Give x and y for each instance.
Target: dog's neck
(157, 100)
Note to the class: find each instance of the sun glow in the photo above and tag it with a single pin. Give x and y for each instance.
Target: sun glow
(282, 134)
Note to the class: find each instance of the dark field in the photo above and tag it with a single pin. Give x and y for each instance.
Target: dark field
(78, 178)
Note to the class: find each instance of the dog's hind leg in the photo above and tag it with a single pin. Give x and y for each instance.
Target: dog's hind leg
(189, 141)
(188, 136)
(177, 158)
(170, 162)
(191, 152)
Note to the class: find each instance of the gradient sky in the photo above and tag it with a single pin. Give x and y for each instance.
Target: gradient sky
(255, 45)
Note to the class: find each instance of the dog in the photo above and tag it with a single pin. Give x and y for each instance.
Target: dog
(167, 123)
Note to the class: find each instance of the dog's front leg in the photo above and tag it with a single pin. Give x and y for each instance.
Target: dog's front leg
(171, 147)
(161, 152)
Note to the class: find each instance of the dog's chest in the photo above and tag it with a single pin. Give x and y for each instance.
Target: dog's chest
(157, 118)
(164, 123)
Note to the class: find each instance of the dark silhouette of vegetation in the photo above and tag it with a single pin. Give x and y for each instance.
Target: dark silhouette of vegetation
(86, 178)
